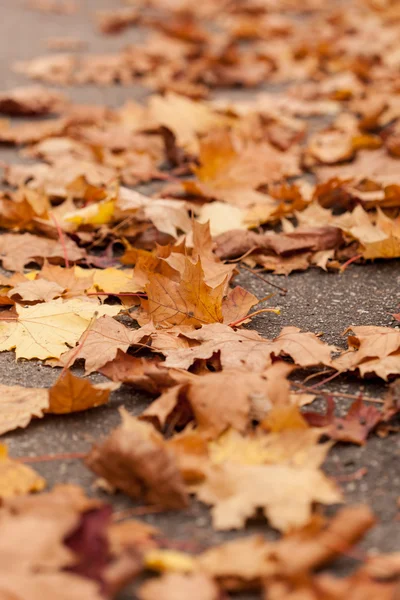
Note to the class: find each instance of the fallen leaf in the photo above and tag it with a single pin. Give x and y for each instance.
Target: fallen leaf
(285, 494)
(16, 251)
(73, 394)
(136, 460)
(18, 405)
(16, 478)
(34, 100)
(44, 330)
(179, 587)
(100, 343)
(38, 290)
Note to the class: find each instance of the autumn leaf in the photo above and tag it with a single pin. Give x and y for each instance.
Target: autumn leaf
(16, 478)
(16, 251)
(136, 460)
(19, 405)
(189, 302)
(38, 290)
(45, 330)
(285, 493)
(179, 587)
(73, 394)
(101, 342)
(217, 401)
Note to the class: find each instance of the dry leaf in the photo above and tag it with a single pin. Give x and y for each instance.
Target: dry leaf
(45, 330)
(16, 478)
(18, 405)
(136, 460)
(73, 394)
(180, 587)
(285, 494)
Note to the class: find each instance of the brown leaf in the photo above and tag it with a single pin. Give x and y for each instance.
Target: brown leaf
(34, 100)
(189, 302)
(217, 401)
(237, 243)
(73, 394)
(100, 343)
(237, 305)
(136, 460)
(16, 251)
(240, 349)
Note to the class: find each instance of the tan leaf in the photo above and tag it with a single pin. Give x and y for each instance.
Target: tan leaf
(18, 405)
(18, 250)
(38, 290)
(241, 349)
(285, 493)
(176, 586)
(136, 460)
(33, 100)
(306, 349)
(237, 305)
(101, 342)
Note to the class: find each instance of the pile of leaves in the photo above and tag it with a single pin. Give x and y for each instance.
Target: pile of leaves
(139, 286)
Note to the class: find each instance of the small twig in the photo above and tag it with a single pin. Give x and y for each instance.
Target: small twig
(50, 457)
(314, 375)
(256, 274)
(253, 314)
(141, 295)
(349, 262)
(136, 512)
(313, 387)
(304, 388)
(61, 237)
(359, 474)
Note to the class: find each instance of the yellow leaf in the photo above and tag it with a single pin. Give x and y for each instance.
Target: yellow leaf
(16, 478)
(169, 560)
(18, 405)
(94, 214)
(45, 330)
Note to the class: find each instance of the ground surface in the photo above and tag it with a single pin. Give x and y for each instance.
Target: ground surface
(315, 301)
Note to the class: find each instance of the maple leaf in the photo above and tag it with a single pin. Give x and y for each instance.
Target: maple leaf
(70, 280)
(18, 250)
(377, 350)
(16, 478)
(74, 394)
(38, 290)
(185, 118)
(247, 561)
(306, 349)
(217, 401)
(45, 330)
(180, 586)
(136, 460)
(189, 302)
(241, 349)
(18, 405)
(101, 342)
(354, 427)
(285, 493)
(32, 100)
